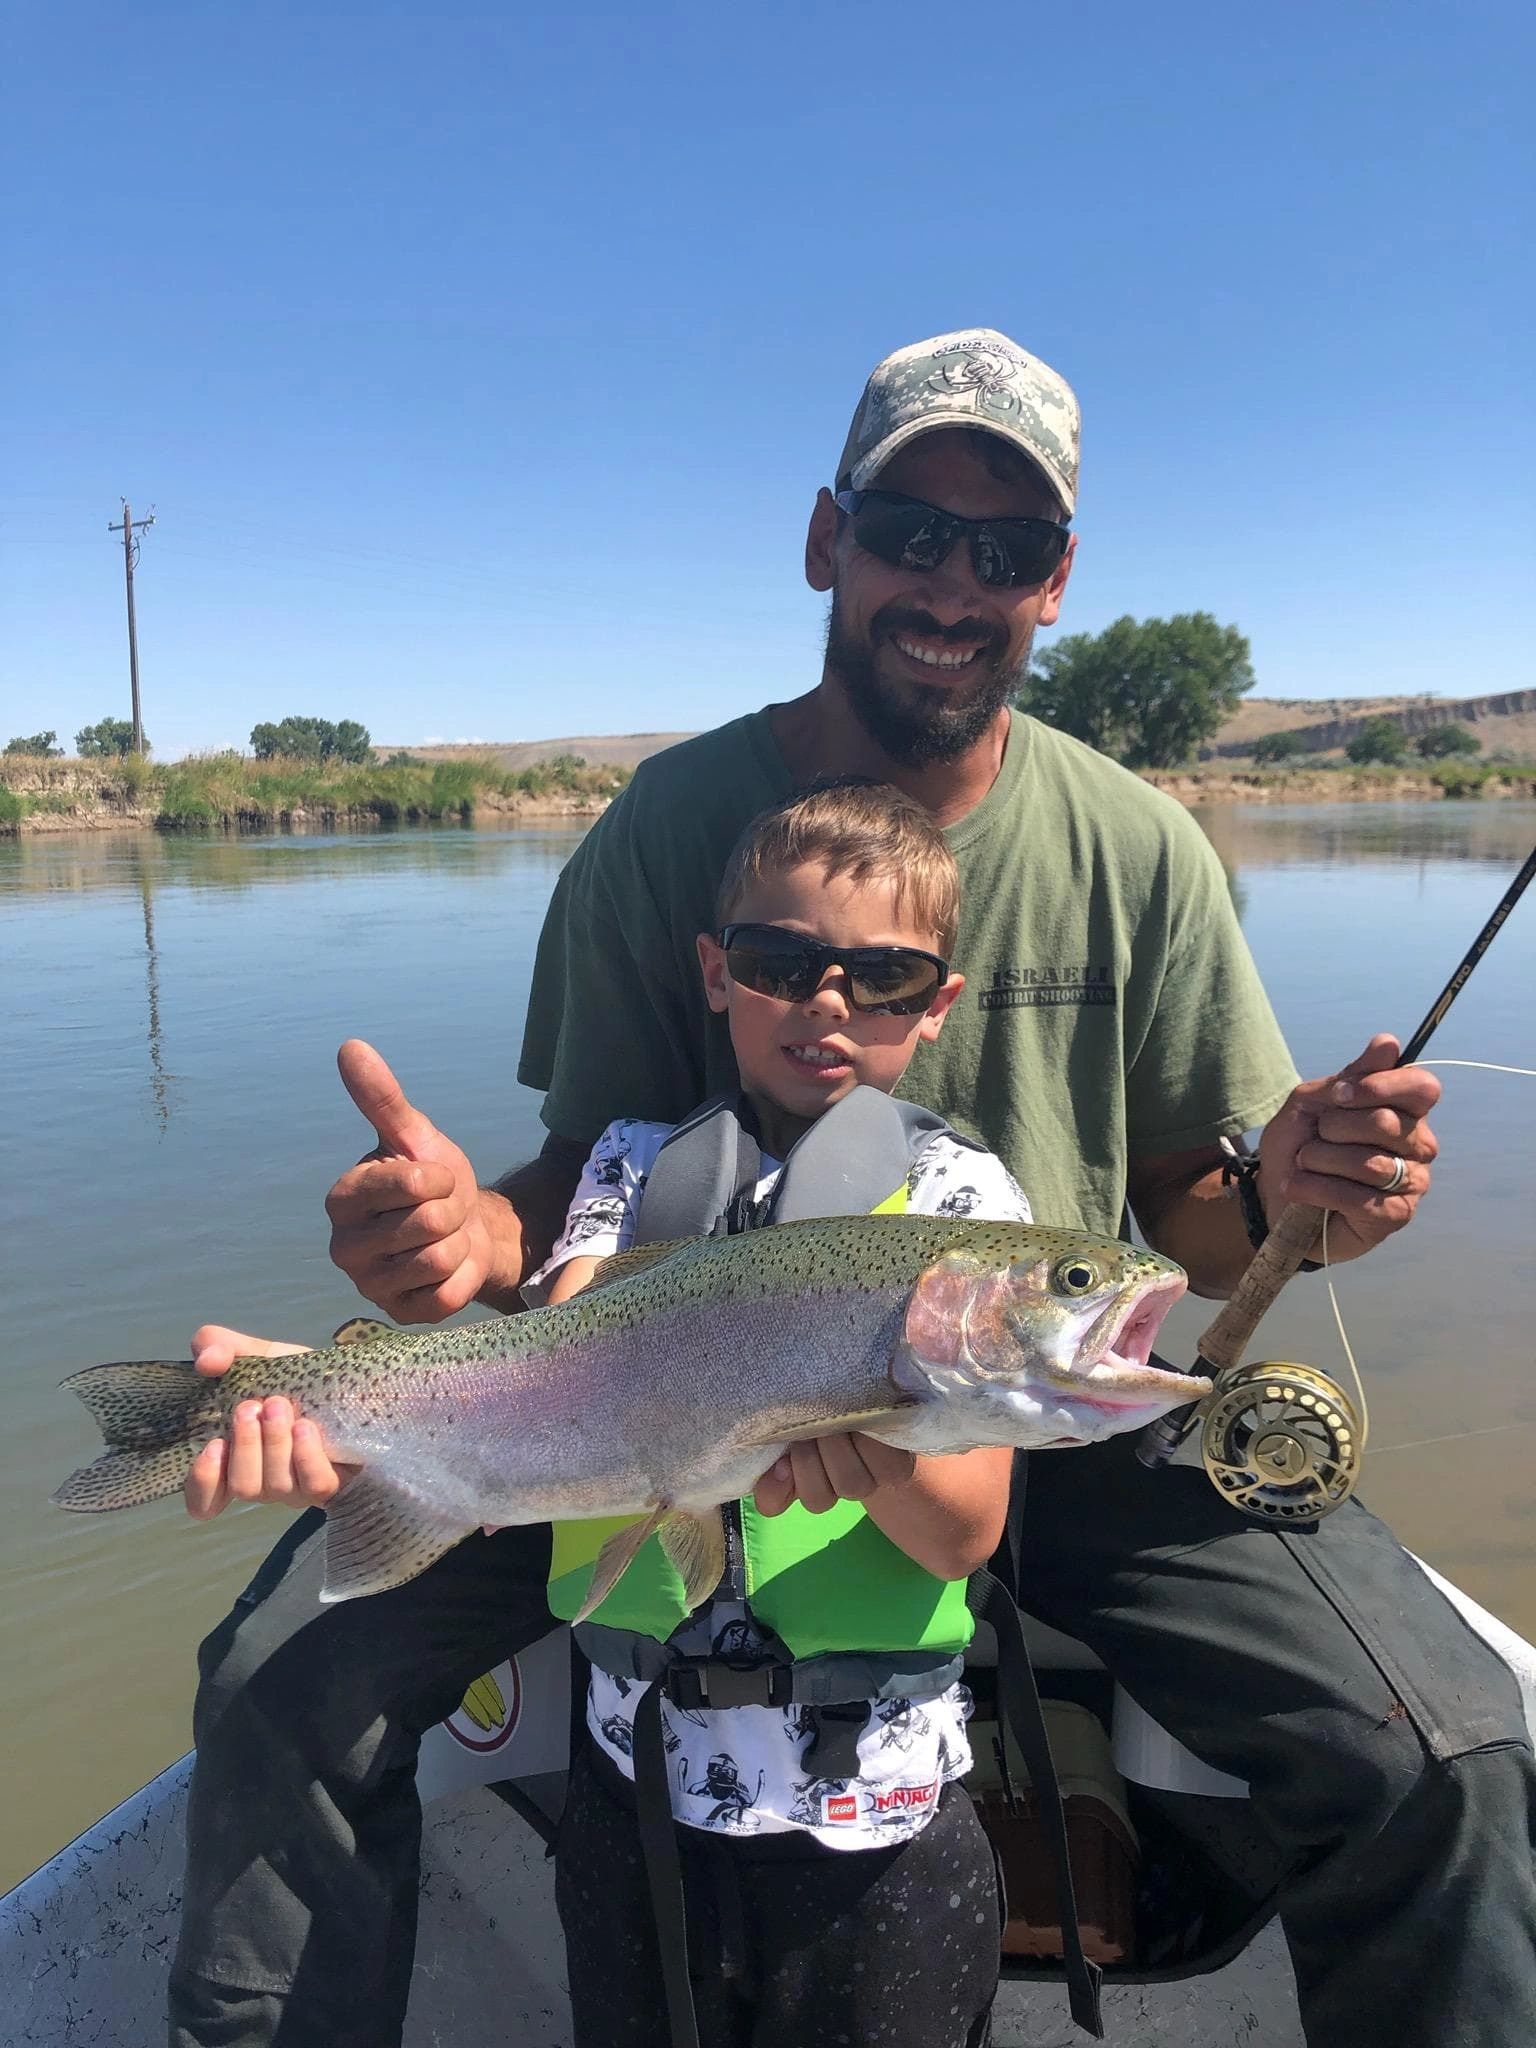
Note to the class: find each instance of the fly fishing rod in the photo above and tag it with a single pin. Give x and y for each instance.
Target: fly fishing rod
(1283, 1441)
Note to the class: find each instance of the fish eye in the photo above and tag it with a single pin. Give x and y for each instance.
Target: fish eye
(1075, 1275)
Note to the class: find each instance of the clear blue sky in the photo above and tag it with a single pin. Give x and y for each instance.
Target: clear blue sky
(481, 367)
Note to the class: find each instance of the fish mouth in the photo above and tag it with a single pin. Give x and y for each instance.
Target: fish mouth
(1122, 1375)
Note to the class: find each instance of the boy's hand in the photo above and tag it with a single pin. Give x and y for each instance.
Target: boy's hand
(269, 1455)
(848, 1466)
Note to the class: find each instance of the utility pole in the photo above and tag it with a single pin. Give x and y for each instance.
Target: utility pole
(130, 556)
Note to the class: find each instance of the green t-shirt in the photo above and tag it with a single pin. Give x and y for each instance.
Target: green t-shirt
(1111, 1006)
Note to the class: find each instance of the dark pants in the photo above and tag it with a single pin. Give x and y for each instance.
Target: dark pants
(1384, 1743)
(303, 1828)
(790, 1945)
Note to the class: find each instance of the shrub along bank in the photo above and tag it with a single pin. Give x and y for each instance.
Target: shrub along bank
(234, 792)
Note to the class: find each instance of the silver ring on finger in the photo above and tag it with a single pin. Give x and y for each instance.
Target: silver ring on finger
(1399, 1175)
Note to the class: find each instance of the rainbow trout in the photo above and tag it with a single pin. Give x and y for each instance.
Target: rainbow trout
(674, 1381)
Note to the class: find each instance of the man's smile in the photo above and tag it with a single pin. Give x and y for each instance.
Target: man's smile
(934, 655)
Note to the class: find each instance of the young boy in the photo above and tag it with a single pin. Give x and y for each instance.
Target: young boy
(847, 1898)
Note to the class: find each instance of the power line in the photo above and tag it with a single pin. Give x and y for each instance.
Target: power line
(130, 556)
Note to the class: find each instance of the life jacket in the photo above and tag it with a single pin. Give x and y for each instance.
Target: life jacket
(850, 1616)
(833, 1587)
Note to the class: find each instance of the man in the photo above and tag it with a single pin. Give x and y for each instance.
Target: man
(1116, 1032)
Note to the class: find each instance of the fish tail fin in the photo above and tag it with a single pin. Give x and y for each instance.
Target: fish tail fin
(152, 1413)
(124, 1479)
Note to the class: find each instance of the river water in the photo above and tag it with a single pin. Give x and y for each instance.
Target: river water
(169, 1013)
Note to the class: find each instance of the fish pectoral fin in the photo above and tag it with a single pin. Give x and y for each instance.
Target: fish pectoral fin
(378, 1536)
(695, 1548)
(363, 1330)
(616, 1557)
(625, 1265)
(804, 1431)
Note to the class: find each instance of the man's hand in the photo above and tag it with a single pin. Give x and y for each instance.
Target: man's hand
(269, 1454)
(406, 1221)
(1337, 1142)
(848, 1466)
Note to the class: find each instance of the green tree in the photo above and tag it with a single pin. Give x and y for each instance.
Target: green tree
(109, 738)
(1443, 740)
(1147, 691)
(311, 739)
(44, 744)
(351, 741)
(1275, 747)
(1379, 739)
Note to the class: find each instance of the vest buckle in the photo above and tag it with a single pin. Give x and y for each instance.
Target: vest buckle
(710, 1682)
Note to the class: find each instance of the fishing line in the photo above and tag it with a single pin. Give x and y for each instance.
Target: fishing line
(1457, 1436)
(1277, 1439)
(1363, 1407)
(1488, 1067)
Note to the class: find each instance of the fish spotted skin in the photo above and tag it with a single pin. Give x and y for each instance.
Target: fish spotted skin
(682, 1374)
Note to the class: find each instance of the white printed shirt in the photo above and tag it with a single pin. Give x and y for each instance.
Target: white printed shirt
(742, 1770)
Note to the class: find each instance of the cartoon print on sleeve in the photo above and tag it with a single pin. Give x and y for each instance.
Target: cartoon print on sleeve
(947, 1179)
(606, 1165)
(604, 1216)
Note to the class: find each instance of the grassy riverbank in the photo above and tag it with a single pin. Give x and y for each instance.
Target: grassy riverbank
(234, 792)
(1343, 783)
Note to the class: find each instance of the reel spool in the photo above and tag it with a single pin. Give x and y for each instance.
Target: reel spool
(1282, 1442)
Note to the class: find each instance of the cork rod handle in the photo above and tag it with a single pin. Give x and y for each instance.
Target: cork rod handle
(1292, 1238)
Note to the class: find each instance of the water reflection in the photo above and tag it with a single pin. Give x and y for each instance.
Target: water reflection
(159, 1080)
(162, 875)
(77, 863)
(1332, 835)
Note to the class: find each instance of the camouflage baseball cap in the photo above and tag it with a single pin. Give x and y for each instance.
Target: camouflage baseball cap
(976, 378)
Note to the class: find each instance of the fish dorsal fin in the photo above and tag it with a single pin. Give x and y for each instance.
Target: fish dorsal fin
(625, 1265)
(362, 1330)
(378, 1536)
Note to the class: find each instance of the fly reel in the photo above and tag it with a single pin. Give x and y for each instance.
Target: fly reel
(1282, 1442)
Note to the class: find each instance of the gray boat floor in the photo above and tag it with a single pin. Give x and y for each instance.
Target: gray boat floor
(86, 1943)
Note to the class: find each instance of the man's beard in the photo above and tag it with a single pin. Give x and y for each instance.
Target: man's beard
(911, 723)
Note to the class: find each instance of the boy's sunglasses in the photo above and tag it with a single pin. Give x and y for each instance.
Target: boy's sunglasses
(898, 981)
(1005, 553)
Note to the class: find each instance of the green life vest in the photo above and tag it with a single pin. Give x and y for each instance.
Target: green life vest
(856, 1617)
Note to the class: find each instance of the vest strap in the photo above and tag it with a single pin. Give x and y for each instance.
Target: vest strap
(707, 1682)
(1019, 1698)
(663, 1869)
(848, 1163)
(833, 1679)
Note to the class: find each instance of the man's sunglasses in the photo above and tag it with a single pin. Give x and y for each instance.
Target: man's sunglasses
(896, 981)
(1005, 553)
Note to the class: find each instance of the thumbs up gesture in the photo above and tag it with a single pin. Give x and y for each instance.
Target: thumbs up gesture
(406, 1221)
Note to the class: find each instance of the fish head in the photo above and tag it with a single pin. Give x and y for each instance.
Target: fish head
(1049, 1338)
